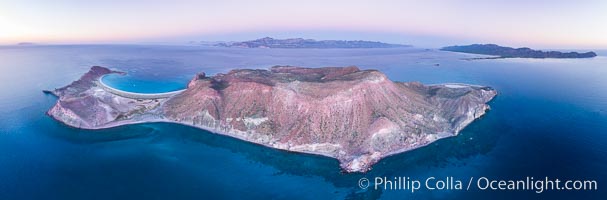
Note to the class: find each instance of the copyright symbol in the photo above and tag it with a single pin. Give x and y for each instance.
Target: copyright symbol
(363, 183)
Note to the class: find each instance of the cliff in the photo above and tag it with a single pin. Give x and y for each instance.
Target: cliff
(508, 52)
(356, 116)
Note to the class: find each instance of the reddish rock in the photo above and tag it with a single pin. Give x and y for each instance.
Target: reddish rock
(357, 116)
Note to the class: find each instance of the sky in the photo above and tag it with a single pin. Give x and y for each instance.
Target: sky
(556, 24)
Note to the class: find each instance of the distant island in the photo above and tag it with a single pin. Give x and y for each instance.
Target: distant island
(509, 52)
(25, 43)
(356, 116)
(268, 42)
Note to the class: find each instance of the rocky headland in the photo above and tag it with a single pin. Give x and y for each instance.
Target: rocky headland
(356, 116)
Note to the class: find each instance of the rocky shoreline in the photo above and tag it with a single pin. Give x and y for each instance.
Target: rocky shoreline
(356, 116)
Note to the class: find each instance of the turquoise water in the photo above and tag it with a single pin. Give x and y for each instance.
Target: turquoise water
(143, 85)
(550, 119)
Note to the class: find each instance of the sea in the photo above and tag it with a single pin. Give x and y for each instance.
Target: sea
(549, 121)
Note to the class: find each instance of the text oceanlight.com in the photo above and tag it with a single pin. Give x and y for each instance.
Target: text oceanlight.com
(537, 185)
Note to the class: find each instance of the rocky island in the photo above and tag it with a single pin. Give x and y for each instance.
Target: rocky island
(509, 52)
(269, 42)
(356, 116)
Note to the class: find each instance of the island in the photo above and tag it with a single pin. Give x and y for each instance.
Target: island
(26, 44)
(268, 42)
(509, 52)
(356, 116)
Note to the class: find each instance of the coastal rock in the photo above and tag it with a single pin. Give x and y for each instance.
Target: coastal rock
(356, 116)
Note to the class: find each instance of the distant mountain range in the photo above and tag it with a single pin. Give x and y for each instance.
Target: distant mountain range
(509, 52)
(269, 42)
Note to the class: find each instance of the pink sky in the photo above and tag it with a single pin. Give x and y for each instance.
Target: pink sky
(542, 24)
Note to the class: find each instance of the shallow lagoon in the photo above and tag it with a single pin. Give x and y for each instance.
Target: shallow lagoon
(549, 119)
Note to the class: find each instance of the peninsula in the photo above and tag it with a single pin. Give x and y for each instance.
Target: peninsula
(269, 42)
(509, 52)
(356, 116)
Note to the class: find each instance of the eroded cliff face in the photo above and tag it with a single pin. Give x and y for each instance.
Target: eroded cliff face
(356, 116)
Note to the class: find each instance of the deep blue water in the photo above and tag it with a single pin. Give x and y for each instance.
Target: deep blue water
(550, 119)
